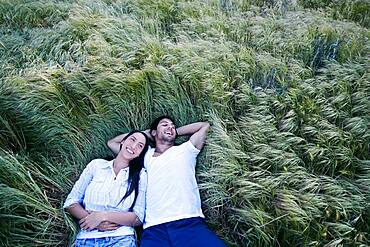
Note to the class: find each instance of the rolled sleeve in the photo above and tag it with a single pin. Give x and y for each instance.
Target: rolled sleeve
(191, 148)
(78, 191)
(139, 208)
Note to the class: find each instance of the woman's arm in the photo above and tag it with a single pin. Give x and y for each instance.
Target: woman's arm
(114, 144)
(94, 219)
(73, 202)
(75, 197)
(77, 211)
(134, 218)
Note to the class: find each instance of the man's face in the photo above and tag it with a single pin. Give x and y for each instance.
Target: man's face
(166, 131)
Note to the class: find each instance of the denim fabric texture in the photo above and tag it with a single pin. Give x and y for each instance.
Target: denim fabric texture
(120, 241)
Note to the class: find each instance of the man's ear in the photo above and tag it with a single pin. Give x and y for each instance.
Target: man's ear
(153, 132)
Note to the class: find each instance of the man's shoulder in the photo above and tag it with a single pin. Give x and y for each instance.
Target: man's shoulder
(147, 156)
(150, 151)
(188, 145)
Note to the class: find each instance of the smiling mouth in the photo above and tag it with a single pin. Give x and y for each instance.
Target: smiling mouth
(129, 151)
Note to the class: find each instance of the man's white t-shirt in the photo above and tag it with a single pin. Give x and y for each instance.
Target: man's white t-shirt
(172, 192)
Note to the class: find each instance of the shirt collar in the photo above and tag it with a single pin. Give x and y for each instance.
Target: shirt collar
(109, 164)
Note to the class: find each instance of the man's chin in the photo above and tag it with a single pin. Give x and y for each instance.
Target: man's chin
(169, 139)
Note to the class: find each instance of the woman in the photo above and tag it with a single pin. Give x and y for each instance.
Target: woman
(109, 197)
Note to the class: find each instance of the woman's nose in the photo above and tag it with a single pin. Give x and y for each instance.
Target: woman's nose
(135, 145)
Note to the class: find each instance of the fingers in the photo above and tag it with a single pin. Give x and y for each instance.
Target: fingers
(90, 223)
(107, 226)
(85, 224)
(111, 228)
(82, 223)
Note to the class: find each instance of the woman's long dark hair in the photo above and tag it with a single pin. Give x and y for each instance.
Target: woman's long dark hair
(135, 167)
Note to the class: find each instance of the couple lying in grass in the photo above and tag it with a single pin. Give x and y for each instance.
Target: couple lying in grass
(155, 187)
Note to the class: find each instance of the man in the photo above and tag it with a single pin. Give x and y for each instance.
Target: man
(173, 209)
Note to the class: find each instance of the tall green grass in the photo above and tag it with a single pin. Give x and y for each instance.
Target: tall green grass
(357, 11)
(284, 84)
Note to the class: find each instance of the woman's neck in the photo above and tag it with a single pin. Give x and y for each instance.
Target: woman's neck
(120, 163)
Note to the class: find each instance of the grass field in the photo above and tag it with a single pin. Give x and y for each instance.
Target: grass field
(285, 85)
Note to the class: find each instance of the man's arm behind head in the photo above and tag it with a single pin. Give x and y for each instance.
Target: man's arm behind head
(198, 132)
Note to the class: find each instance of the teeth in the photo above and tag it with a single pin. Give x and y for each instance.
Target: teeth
(130, 151)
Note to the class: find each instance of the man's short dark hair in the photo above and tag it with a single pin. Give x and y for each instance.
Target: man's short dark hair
(155, 123)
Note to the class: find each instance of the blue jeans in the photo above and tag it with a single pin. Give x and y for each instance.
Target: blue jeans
(191, 232)
(121, 241)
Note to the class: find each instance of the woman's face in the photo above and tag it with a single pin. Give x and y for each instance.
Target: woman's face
(132, 146)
